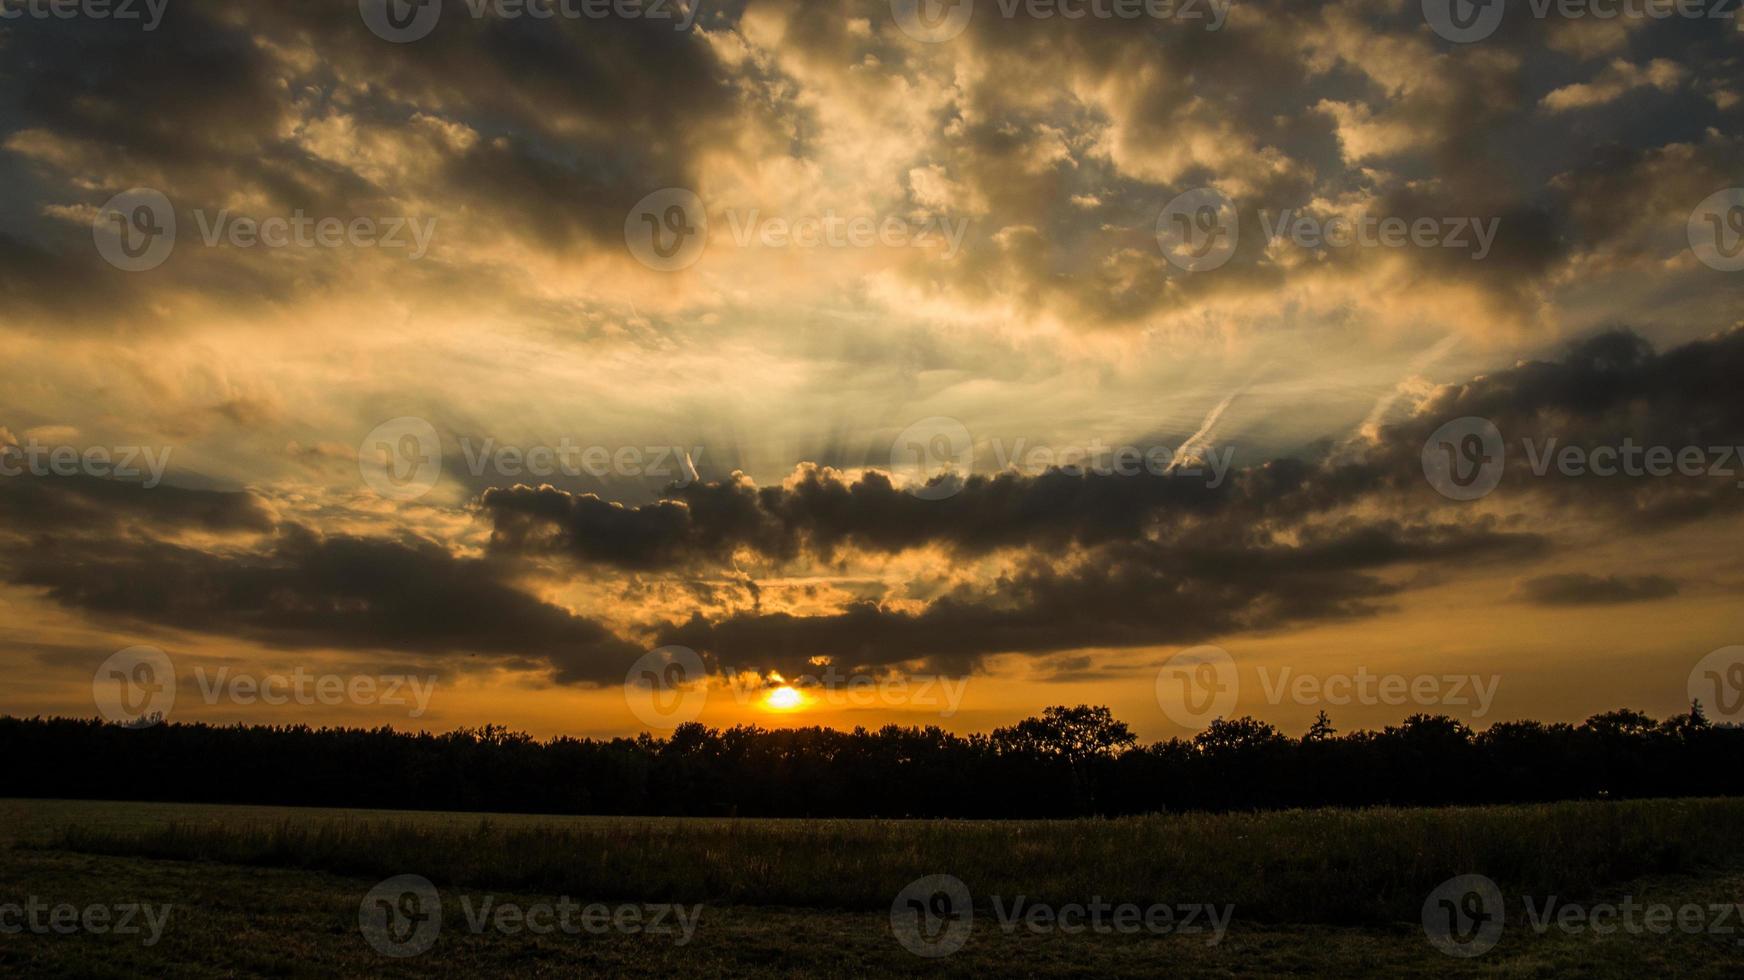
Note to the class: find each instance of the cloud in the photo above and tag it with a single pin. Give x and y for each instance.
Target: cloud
(1581, 589)
(1618, 79)
(1041, 564)
(284, 584)
(90, 506)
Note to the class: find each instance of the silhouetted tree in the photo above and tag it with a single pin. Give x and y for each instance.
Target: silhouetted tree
(1066, 762)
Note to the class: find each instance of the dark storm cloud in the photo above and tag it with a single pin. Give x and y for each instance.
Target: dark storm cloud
(547, 129)
(1122, 595)
(1120, 561)
(1085, 560)
(1606, 390)
(99, 546)
(820, 511)
(1609, 391)
(1292, 106)
(1581, 589)
(86, 505)
(340, 592)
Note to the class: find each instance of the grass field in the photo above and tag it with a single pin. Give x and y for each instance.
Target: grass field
(268, 891)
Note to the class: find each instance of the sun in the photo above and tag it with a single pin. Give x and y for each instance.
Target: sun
(784, 698)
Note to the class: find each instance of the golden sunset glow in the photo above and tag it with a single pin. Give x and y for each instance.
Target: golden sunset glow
(784, 698)
(821, 353)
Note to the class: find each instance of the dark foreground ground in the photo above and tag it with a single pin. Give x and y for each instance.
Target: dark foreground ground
(255, 891)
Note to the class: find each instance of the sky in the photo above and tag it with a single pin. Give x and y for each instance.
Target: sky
(459, 363)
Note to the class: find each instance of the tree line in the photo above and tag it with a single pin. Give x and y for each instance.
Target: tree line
(1066, 762)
